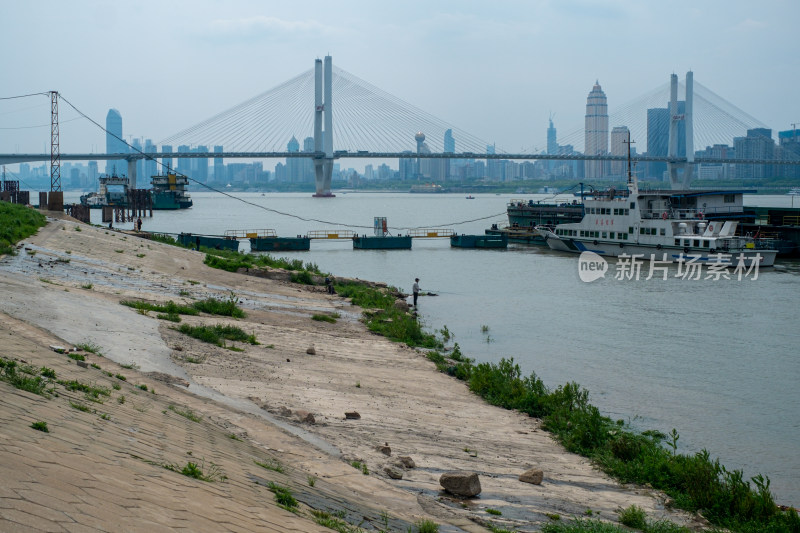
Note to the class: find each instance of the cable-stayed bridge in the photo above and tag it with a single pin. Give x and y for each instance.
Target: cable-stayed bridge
(347, 117)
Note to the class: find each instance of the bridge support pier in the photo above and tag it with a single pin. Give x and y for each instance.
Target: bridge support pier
(131, 174)
(323, 140)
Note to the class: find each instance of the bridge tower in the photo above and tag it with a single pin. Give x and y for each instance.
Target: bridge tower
(323, 139)
(680, 174)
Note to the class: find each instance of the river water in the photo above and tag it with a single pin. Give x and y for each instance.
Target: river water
(715, 359)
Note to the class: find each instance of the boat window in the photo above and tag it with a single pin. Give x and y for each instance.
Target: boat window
(605, 235)
(633, 205)
(616, 211)
(653, 231)
(627, 211)
(729, 198)
(677, 242)
(663, 231)
(705, 244)
(697, 243)
(630, 230)
(625, 236)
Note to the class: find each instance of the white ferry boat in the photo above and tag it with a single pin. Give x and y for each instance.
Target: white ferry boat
(664, 225)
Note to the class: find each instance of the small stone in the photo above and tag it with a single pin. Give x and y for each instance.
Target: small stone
(82, 364)
(288, 360)
(311, 351)
(533, 476)
(352, 415)
(285, 411)
(385, 449)
(407, 461)
(393, 473)
(465, 484)
(305, 416)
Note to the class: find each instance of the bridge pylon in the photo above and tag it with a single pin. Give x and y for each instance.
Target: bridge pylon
(323, 139)
(680, 174)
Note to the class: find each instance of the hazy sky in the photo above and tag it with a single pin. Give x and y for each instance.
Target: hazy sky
(494, 69)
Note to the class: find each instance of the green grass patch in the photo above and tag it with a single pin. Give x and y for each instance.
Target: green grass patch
(76, 356)
(358, 465)
(283, 496)
(87, 286)
(90, 347)
(494, 512)
(199, 471)
(334, 522)
(25, 377)
(169, 308)
(92, 392)
(80, 407)
(40, 426)
(17, 222)
(426, 526)
(231, 261)
(270, 464)
(217, 334)
(227, 307)
(186, 413)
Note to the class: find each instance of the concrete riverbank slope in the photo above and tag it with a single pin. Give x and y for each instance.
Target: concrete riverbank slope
(272, 413)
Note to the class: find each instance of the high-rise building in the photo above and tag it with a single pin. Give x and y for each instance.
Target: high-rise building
(596, 130)
(789, 150)
(201, 171)
(219, 165)
(552, 142)
(307, 173)
(92, 175)
(184, 164)
(293, 164)
(619, 147)
(137, 147)
(166, 162)
(449, 142)
(758, 144)
(657, 140)
(115, 144)
(406, 167)
(150, 165)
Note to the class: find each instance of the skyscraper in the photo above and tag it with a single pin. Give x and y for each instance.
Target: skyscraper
(219, 166)
(552, 143)
(596, 130)
(293, 164)
(114, 143)
(619, 146)
(449, 142)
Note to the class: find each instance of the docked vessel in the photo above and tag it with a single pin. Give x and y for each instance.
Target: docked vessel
(525, 215)
(169, 192)
(111, 191)
(663, 225)
(382, 240)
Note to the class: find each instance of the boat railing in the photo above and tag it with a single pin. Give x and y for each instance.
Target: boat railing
(691, 214)
(249, 233)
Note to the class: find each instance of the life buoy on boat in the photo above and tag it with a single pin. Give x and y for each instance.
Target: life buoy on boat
(664, 215)
(711, 227)
(595, 243)
(700, 215)
(686, 249)
(658, 246)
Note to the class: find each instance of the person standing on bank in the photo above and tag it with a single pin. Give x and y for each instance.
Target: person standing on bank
(415, 290)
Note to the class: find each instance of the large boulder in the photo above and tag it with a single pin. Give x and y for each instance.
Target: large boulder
(534, 476)
(465, 484)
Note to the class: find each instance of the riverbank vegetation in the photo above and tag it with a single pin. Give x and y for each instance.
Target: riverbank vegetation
(383, 317)
(695, 482)
(17, 222)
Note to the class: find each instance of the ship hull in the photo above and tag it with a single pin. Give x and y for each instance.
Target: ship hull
(279, 244)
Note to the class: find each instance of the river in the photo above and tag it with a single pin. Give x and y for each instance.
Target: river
(714, 359)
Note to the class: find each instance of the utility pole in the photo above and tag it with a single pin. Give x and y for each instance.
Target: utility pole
(55, 151)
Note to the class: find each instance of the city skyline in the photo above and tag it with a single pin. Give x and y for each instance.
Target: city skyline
(451, 59)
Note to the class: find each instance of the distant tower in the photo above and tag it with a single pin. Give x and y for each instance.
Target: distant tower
(596, 130)
(552, 143)
(114, 143)
(420, 138)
